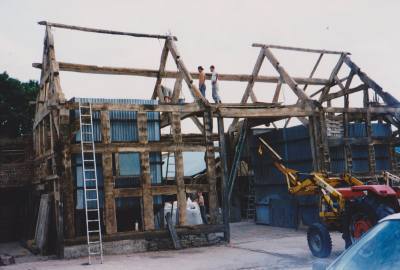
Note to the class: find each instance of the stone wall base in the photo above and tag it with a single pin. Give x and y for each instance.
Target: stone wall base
(129, 246)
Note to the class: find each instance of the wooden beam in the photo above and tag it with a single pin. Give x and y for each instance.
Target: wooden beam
(104, 31)
(303, 120)
(331, 84)
(211, 168)
(159, 190)
(54, 93)
(185, 72)
(287, 111)
(68, 194)
(313, 143)
(149, 147)
(297, 49)
(285, 76)
(198, 124)
(387, 97)
(163, 62)
(344, 92)
(224, 178)
(179, 169)
(348, 156)
(372, 110)
(128, 192)
(110, 219)
(277, 92)
(153, 73)
(177, 88)
(332, 77)
(148, 208)
(314, 70)
(249, 88)
(183, 108)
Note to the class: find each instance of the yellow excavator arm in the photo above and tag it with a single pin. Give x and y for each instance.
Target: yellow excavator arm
(315, 183)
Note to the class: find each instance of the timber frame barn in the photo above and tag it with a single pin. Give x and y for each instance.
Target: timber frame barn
(55, 129)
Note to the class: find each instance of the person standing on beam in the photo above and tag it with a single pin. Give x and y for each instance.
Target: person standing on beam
(202, 81)
(214, 85)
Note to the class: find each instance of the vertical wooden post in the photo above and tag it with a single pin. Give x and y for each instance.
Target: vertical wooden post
(68, 194)
(210, 162)
(224, 178)
(109, 213)
(67, 208)
(324, 140)
(368, 129)
(148, 208)
(42, 137)
(179, 172)
(371, 149)
(321, 141)
(347, 147)
(313, 143)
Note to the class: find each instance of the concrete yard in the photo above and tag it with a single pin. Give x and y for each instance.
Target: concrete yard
(252, 247)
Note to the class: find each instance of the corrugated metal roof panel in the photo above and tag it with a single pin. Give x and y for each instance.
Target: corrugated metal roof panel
(116, 100)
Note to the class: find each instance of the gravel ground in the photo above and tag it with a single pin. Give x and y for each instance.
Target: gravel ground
(252, 247)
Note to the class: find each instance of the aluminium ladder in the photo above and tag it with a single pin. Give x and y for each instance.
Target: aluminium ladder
(90, 185)
(251, 199)
(170, 167)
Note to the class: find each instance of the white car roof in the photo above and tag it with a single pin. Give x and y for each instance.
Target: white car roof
(391, 217)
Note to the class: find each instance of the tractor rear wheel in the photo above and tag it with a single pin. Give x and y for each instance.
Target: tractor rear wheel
(361, 215)
(319, 240)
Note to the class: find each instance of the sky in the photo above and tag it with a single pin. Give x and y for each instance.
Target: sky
(209, 32)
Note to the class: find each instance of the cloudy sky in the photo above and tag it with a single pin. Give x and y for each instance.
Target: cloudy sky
(209, 32)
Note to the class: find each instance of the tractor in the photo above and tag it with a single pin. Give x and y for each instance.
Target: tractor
(346, 204)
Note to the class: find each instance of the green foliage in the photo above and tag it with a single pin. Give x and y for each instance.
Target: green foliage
(16, 114)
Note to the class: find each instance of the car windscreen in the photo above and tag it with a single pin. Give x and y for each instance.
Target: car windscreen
(378, 249)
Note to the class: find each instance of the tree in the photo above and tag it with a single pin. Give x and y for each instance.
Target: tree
(16, 114)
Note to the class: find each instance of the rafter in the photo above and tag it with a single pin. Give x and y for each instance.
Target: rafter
(285, 76)
(164, 56)
(186, 74)
(334, 73)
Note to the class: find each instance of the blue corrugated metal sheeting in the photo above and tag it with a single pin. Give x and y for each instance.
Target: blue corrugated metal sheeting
(155, 167)
(293, 145)
(337, 159)
(382, 157)
(153, 126)
(123, 124)
(378, 130)
(78, 176)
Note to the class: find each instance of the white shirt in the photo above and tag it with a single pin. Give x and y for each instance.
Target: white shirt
(214, 78)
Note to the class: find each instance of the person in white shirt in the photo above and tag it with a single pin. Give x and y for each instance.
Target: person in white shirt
(214, 85)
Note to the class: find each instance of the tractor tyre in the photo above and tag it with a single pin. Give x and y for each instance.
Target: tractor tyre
(319, 240)
(361, 215)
